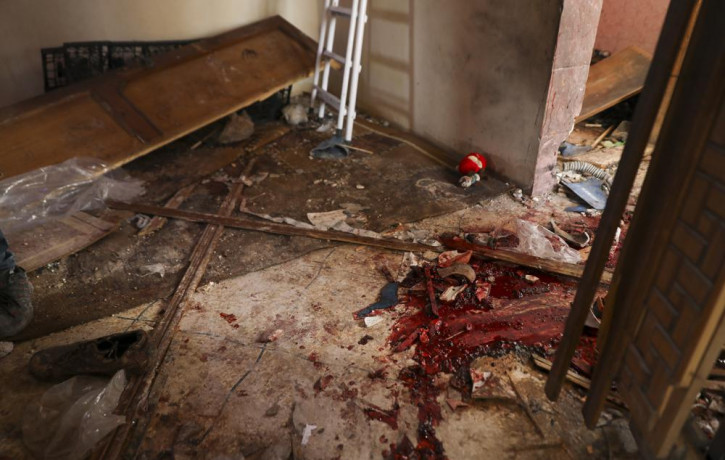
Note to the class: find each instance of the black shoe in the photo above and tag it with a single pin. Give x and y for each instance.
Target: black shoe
(102, 356)
(16, 309)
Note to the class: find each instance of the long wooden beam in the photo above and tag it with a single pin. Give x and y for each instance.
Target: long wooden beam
(545, 265)
(134, 398)
(274, 228)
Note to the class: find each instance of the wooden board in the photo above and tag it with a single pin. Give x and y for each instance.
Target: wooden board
(613, 80)
(52, 241)
(122, 115)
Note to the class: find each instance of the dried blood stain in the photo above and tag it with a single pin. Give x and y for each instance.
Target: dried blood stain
(516, 313)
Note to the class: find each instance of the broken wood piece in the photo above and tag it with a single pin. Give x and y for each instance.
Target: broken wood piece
(127, 113)
(273, 227)
(524, 403)
(133, 400)
(51, 241)
(174, 202)
(487, 383)
(573, 377)
(431, 292)
(545, 265)
(613, 80)
(451, 292)
(352, 147)
(602, 136)
(198, 143)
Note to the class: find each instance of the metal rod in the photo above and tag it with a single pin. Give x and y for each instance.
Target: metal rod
(347, 66)
(320, 45)
(356, 68)
(328, 47)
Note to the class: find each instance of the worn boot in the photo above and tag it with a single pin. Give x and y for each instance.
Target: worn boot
(105, 355)
(16, 309)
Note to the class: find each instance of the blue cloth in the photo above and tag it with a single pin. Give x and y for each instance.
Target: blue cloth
(7, 261)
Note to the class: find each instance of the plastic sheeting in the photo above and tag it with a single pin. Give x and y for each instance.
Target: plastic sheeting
(537, 241)
(73, 416)
(60, 190)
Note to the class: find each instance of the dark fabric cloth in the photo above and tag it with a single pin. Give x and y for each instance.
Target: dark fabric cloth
(7, 261)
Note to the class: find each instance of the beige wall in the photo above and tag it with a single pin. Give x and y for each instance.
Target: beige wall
(631, 22)
(26, 26)
(469, 75)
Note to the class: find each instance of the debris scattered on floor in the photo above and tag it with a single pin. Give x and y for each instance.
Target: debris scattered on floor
(255, 179)
(594, 318)
(451, 292)
(537, 241)
(590, 191)
(708, 412)
(153, 269)
(326, 127)
(460, 269)
(487, 384)
(141, 221)
(237, 129)
(307, 433)
(332, 220)
(334, 148)
(578, 240)
(327, 220)
(567, 149)
(388, 298)
(589, 169)
(73, 416)
(371, 321)
(280, 220)
(448, 258)
(295, 114)
(621, 131)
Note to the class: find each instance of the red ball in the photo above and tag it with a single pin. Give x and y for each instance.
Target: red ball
(472, 163)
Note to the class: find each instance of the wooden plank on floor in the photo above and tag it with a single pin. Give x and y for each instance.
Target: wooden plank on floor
(46, 243)
(134, 399)
(613, 80)
(538, 263)
(124, 114)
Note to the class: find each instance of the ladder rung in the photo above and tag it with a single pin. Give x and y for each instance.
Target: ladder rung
(334, 56)
(340, 11)
(329, 99)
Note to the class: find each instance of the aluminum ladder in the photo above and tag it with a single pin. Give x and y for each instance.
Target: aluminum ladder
(350, 63)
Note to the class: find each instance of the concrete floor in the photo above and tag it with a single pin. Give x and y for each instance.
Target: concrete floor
(221, 393)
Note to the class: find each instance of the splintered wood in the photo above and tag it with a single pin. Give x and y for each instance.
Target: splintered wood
(613, 80)
(54, 240)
